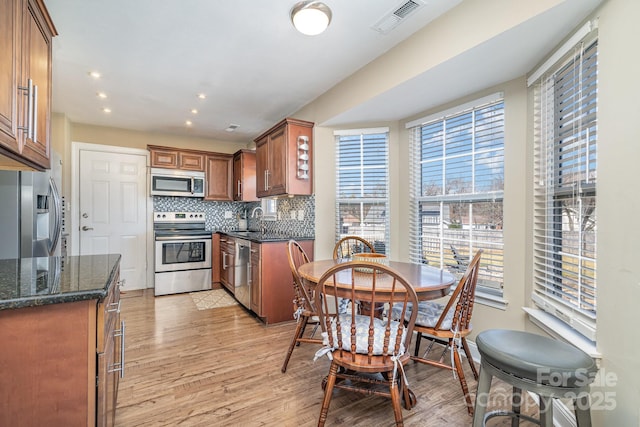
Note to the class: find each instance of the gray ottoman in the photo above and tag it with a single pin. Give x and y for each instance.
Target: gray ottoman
(547, 367)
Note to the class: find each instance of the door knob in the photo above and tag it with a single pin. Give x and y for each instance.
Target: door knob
(85, 228)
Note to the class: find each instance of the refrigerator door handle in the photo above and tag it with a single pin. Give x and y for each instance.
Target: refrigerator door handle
(57, 211)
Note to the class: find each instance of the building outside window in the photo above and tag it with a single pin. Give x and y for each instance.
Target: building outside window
(457, 190)
(362, 185)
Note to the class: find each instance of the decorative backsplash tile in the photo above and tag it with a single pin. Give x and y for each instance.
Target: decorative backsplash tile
(296, 215)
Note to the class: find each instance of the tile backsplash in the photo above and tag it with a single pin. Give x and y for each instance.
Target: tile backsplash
(296, 215)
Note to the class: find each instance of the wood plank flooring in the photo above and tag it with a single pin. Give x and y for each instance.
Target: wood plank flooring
(221, 367)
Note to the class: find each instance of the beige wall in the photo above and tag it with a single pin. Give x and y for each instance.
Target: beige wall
(618, 335)
(618, 207)
(64, 132)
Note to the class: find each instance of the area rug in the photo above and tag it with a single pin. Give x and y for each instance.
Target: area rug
(215, 298)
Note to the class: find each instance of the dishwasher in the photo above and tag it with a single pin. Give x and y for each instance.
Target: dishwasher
(242, 276)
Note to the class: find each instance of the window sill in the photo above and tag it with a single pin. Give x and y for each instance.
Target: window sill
(491, 300)
(561, 331)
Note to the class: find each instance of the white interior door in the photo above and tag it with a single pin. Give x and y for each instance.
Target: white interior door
(113, 210)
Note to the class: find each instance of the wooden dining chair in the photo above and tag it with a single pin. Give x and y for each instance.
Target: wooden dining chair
(349, 245)
(304, 310)
(449, 325)
(344, 249)
(361, 345)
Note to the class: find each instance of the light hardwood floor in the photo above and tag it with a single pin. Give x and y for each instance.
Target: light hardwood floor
(221, 367)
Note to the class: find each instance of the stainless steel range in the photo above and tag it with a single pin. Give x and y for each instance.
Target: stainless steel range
(182, 252)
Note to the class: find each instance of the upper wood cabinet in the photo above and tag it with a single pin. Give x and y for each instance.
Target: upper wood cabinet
(244, 176)
(26, 31)
(173, 158)
(282, 167)
(219, 173)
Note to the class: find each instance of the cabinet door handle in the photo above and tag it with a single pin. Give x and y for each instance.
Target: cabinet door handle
(224, 260)
(34, 124)
(239, 189)
(28, 127)
(249, 281)
(116, 309)
(119, 367)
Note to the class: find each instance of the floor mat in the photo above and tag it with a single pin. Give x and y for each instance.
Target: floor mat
(215, 298)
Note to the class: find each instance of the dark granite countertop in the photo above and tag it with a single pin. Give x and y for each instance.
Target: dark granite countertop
(28, 282)
(257, 236)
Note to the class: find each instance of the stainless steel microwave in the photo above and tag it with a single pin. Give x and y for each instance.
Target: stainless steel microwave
(174, 182)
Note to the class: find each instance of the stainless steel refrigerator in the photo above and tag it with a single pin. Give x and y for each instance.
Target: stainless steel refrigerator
(31, 212)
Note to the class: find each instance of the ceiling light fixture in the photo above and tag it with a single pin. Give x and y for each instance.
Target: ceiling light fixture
(310, 17)
(194, 111)
(202, 96)
(101, 95)
(232, 127)
(106, 110)
(95, 74)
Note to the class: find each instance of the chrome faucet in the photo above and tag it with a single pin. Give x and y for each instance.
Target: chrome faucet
(253, 212)
(263, 229)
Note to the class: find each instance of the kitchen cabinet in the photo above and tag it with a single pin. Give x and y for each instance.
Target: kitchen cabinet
(244, 176)
(215, 258)
(173, 158)
(227, 255)
(26, 32)
(110, 336)
(280, 162)
(272, 285)
(62, 346)
(254, 277)
(219, 173)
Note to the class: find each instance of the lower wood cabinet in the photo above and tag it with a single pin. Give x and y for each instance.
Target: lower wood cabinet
(227, 254)
(61, 363)
(272, 283)
(110, 346)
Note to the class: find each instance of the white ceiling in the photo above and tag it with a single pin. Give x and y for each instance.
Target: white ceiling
(155, 56)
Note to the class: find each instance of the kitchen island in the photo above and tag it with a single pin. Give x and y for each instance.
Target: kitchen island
(61, 340)
(260, 279)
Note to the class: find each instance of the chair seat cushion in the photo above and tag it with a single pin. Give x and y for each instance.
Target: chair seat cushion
(428, 314)
(541, 359)
(362, 334)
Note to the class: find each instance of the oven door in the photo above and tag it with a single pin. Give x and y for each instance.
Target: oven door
(182, 253)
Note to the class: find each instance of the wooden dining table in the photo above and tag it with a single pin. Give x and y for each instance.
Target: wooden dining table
(428, 282)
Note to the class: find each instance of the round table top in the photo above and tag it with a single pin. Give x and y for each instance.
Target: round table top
(428, 282)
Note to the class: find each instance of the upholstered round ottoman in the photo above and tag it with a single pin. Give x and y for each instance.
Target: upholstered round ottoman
(547, 367)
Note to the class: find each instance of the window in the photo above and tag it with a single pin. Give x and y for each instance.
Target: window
(457, 190)
(565, 189)
(362, 185)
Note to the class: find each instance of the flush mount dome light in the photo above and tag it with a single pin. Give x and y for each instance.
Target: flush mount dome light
(310, 17)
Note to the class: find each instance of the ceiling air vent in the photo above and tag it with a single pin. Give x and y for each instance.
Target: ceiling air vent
(397, 15)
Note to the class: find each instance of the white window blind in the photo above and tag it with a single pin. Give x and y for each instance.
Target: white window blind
(362, 186)
(457, 190)
(565, 189)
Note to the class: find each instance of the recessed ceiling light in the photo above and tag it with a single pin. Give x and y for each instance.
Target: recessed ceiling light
(188, 123)
(202, 96)
(194, 111)
(106, 110)
(95, 74)
(232, 127)
(101, 95)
